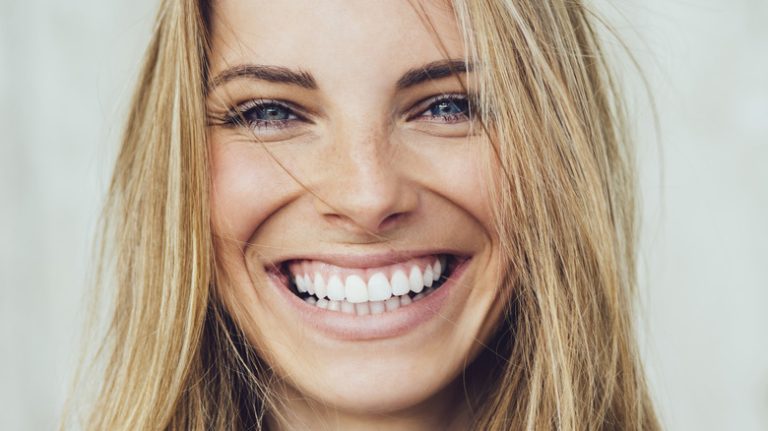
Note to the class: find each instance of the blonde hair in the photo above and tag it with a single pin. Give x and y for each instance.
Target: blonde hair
(562, 171)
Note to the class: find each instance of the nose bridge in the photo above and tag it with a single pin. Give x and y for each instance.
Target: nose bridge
(363, 189)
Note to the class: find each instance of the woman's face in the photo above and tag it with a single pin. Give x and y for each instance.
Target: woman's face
(348, 198)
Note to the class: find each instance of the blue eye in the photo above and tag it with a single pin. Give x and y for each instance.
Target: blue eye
(262, 114)
(449, 107)
(269, 112)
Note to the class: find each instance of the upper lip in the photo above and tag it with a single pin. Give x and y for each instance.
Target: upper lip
(371, 260)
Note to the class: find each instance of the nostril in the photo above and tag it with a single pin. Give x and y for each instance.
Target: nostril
(391, 221)
(370, 225)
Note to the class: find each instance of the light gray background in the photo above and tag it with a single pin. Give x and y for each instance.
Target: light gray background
(66, 72)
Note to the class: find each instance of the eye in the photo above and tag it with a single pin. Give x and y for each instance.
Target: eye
(446, 108)
(262, 114)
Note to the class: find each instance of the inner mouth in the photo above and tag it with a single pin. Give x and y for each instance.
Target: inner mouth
(363, 291)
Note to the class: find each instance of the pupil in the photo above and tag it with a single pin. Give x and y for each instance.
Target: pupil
(273, 113)
(449, 107)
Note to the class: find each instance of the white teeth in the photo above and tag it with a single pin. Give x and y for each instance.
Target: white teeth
(355, 290)
(379, 294)
(308, 284)
(415, 280)
(400, 284)
(392, 303)
(377, 307)
(347, 307)
(428, 276)
(362, 309)
(378, 288)
(367, 307)
(335, 288)
(437, 268)
(299, 281)
(319, 285)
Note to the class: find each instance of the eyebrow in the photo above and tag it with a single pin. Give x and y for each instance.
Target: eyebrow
(283, 75)
(277, 74)
(432, 71)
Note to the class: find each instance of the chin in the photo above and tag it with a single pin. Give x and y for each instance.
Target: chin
(380, 386)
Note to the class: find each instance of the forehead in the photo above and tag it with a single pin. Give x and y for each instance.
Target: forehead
(334, 39)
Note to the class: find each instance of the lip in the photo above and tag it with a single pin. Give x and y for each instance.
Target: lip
(350, 327)
(364, 261)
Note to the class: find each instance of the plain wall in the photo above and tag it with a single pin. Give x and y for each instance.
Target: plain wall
(66, 74)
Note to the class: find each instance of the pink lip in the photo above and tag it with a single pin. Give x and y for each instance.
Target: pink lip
(349, 327)
(368, 260)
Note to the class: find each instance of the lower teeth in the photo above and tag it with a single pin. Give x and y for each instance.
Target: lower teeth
(370, 307)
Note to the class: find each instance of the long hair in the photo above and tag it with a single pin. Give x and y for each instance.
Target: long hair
(561, 169)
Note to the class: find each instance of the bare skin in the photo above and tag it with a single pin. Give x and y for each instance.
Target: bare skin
(361, 166)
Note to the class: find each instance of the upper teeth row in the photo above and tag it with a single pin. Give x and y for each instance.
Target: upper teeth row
(378, 288)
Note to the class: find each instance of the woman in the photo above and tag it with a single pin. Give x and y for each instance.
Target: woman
(373, 215)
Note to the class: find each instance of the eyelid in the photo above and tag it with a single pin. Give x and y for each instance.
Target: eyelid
(237, 111)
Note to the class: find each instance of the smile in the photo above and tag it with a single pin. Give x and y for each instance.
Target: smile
(366, 291)
(368, 297)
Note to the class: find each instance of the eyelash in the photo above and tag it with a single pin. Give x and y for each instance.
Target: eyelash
(456, 100)
(239, 115)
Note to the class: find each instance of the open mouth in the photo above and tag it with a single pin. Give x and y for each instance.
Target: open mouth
(364, 291)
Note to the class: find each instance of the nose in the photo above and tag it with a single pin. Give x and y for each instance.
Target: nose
(364, 189)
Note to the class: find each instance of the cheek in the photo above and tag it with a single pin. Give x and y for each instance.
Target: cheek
(457, 173)
(247, 186)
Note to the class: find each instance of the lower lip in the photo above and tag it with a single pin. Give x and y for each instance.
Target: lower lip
(391, 324)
